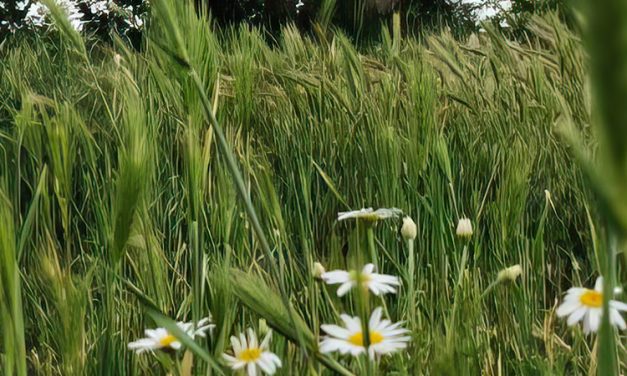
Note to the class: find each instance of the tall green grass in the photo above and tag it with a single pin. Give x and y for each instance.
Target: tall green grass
(118, 199)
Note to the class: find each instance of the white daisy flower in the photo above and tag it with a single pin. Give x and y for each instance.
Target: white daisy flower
(248, 353)
(385, 337)
(587, 305)
(160, 338)
(198, 330)
(368, 214)
(377, 283)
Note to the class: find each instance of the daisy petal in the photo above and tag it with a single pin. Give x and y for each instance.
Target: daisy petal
(344, 288)
(567, 308)
(576, 316)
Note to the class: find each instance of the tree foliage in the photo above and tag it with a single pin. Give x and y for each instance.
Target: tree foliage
(359, 18)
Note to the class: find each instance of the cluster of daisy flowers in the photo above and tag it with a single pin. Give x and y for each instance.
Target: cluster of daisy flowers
(383, 336)
(161, 339)
(248, 352)
(254, 357)
(380, 336)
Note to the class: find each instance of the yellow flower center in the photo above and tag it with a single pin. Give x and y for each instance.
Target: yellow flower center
(357, 339)
(591, 298)
(250, 355)
(167, 340)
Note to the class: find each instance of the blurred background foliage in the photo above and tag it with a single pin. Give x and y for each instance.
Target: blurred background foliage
(360, 19)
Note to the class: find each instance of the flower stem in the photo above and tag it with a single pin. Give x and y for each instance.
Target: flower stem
(490, 287)
(371, 246)
(364, 315)
(451, 329)
(411, 270)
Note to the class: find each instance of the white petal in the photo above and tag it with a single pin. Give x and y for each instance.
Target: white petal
(371, 352)
(203, 326)
(142, 345)
(266, 366)
(620, 306)
(271, 361)
(344, 288)
(594, 319)
(368, 269)
(598, 285)
(389, 347)
(252, 339)
(156, 333)
(394, 333)
(243, 341)
(397, 342)
(354, 350)
(374, 287)
(237, 346)
(229, 359)
(381, 288)
(385, 213)
(386, 278)
(274, 358)
(575, 292)
(176, 345)
(333, 344)
(375, 318)
(567, 308)
(335, 276)
(617, 319)
(353, 324)
(252, 369)
(239, 364)
(576, 316)
(353, 214)
(185, 327)
(335, 331)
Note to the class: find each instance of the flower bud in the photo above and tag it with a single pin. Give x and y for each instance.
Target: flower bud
(263, 328)
(409, 230)
(117, 59)
(318, 270)
(464, 228)
(510, 274)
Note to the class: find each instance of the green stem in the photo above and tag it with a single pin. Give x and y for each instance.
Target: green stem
(606, 355)
(451, 329)
(371, 245)
(411, 270)
(490, 287)
(363, 297)
(198, 273)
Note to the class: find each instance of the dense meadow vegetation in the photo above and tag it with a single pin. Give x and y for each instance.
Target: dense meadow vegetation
(121, 208)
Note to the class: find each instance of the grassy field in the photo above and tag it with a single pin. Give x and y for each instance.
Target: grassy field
(118, 200)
